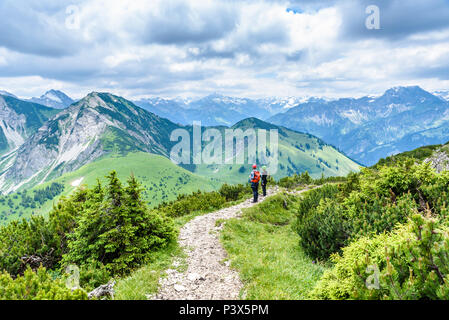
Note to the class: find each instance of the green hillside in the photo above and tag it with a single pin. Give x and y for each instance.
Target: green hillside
(298, 152)
(419, 154)
(160, 178)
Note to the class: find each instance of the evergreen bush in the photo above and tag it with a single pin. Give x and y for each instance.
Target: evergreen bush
(37, 285)
(117, 229)
(410, 263)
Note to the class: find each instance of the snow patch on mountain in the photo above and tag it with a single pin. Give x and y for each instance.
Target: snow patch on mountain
(6, 93)
(54, 99)
(355, 116)
(52, 96)
(442, 94)
(77, 182)
(320, 119)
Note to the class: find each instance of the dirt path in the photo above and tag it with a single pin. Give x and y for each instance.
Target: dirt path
(207, 277)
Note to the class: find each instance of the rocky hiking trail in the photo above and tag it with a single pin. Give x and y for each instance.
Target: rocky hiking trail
(208, 275)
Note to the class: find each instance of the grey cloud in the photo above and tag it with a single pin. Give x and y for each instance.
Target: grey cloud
(26, 28)
(441, 73)
(88, 70)
(180, 23)
(296, 56)
(398, 18)
(206, 52)
(305, 4)
(37, 46)
(244, 41)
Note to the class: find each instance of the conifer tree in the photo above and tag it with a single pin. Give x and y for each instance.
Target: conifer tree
(116, 228)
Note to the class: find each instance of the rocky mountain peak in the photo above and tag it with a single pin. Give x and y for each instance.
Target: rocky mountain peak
(99, 124)
(54, 99)
(411, 94)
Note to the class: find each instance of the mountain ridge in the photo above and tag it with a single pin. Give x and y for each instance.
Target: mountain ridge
(102, 124)
(78, 135)
(20, 119)
(370, 128)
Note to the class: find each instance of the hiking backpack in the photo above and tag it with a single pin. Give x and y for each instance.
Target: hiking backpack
(255, 177)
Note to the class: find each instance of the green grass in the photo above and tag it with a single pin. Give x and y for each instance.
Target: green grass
(145, 280)
(265, 250)
(261, 245)
(161, 179)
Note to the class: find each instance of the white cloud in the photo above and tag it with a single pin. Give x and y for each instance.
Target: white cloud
(246, 48)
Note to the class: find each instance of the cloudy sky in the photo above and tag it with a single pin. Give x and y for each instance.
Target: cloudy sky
(168, 48)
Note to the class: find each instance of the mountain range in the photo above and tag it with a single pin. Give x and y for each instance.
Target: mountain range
(103, 125)
(370, 128)
(6, 93)
(366, 129)
(442, 94)
(216, 109)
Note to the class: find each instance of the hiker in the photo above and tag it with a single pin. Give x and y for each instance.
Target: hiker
(264, 182)
(254, 178)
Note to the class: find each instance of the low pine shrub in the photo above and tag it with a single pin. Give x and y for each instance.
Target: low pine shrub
(196, 202)
(410, 263)
(370, 203)
(313, 198)
(93, 274)
(38, 241)
(379, 215)
(234, 192)
(37, 285)
(105, 231)
(295, 181)
(324, 230)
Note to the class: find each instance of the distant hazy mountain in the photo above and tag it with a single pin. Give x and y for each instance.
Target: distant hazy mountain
(212, 110)
(6, 93)
(174, 110)
(370, 128)
(276, 105)
(102, 125)
(217, 109)
(54, 99)
(442, 94)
